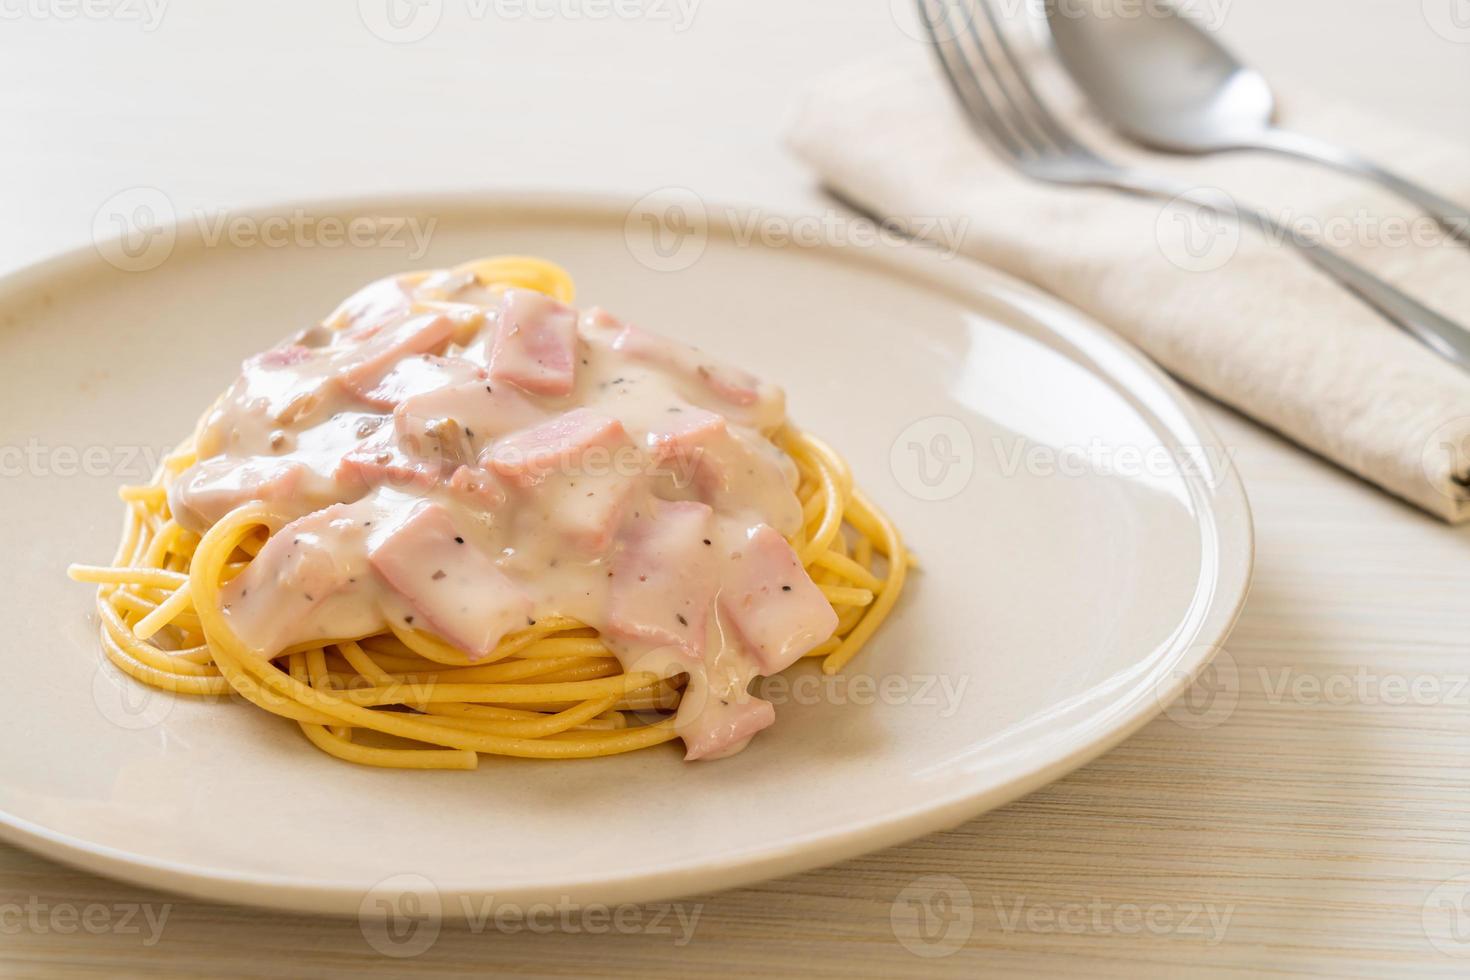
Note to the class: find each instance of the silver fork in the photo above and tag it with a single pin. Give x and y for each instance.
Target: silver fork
(1003, 106)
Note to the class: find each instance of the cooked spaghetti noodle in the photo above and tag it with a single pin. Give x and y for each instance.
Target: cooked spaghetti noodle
(403, 697)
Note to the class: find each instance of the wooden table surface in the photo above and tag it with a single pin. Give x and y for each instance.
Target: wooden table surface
(1312, 816)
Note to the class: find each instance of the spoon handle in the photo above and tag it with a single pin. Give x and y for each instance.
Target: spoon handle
(1454, 217)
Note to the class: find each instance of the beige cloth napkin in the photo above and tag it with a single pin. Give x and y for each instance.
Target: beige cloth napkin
(1256, 327)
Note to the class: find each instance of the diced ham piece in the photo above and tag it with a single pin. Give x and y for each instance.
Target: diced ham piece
(486, 411)
(685, 431)
(585, 510)
(382, 460)
(301, 566)
(212, 488)
(369, 307)
(663, 582)
(725, 467)
(286, 356)
(726, 730)
(558, 445)
(681, 441)
(763, 405)
(320, 448)
(280, 383)
(535, 343)
(773, 604)
(601, 324)
(735, 386)
(414, 376)
(364, 366)
(457, 589)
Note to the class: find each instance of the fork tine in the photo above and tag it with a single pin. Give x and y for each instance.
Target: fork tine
(1029, 104)
(984, 64)
(968, 88)
(1065, 160)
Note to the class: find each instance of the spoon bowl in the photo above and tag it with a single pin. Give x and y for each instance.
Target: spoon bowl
(1163, 81)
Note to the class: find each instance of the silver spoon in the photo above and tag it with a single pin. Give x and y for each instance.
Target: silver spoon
(1166, 83)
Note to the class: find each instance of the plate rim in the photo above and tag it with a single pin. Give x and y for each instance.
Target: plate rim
(1234, 567)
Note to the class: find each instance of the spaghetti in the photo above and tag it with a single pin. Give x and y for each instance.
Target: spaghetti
(401, 696)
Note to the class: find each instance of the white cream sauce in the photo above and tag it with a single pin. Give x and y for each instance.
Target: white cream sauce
(467, 462)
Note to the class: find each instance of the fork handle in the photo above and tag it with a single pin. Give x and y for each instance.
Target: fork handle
(1436, 331)
(1453, 217)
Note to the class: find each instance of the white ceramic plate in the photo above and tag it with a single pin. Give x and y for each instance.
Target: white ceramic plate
(1073, 578)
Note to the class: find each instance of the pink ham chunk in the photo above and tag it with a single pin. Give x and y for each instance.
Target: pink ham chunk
(681, 440)
(724, 731)
(535, 343)
(763, 405)
(212, 488)
(727, 468)
(384, 459)
(300, 567)
(685, 431)
(371, 306)
(457, 589)
(286, 356)
(283, 383)
(414, 376)
(362, 367)
(486, 411)
(559, 445)
(664, 578)
(586, 511)
(773, 604)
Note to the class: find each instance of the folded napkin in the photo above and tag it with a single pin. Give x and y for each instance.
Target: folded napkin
(1246, 321)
